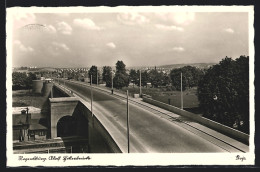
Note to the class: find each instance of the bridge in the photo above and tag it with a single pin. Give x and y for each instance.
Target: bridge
(152, 129)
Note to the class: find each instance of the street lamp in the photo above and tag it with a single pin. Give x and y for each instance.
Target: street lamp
(97, 77)
(91, 95)
(181, 93)
(127, 116)
(140, 85)
(112, 82)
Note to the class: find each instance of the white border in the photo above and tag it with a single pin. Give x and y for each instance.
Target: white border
(132, 159)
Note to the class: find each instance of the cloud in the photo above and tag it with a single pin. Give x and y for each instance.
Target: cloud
(23, 47)
(178, 49)
(51, 29)
(86, 23)
(22, 19)
(60, 46)
(132, 18)
(165, 27)
(64, 28)
(24, 16)
(229, 30)
(180, 18)
(111, 45)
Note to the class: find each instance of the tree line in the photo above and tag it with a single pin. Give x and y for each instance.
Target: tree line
(21, 80)
(157, 78)
(223, 93)
(223, 89)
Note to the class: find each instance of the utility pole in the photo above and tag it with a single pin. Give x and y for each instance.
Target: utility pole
(181, 93)
(127, 114)
(140, 84)
(64, 77)
(112, 82)
(52, 91)
(97, 77)
(91, 95)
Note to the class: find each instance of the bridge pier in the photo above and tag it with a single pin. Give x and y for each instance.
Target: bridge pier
(85, 125)
(60, 107)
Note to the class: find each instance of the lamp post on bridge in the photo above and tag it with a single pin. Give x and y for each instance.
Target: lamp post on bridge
(181, 93)
(140, 85)
(97, 77)
(91, 95)
(127, 117)
(112, 89)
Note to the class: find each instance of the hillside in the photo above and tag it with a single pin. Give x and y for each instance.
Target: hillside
(199, 65)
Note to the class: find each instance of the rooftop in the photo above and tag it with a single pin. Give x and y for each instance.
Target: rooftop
(37, 127)
(20, 119)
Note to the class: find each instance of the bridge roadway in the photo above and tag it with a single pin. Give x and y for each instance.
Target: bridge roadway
(150, 132)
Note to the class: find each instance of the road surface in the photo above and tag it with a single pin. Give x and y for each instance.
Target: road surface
(148, 131)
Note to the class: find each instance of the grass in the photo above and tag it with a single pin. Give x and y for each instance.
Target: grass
(190, 98)
(27, 98)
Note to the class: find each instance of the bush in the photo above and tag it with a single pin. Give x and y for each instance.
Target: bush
(22, 80)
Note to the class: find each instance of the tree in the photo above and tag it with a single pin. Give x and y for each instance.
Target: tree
(107, 75)
(22, 80)
(156, 78)
(121, 78)
(19, 80)
(28, 82)
(133, 77)
(145, 78)
(120, 67)
(223, 93)
(94, 72)
(190, 77)
(166, 80)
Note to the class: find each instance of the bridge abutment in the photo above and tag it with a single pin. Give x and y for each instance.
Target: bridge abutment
(86, 125)
(60, 107)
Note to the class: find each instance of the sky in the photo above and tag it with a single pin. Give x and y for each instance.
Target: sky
(137, 38)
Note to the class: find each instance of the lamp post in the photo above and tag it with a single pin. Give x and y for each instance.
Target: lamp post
(181, 93)
(140, 85)
(127, 117)
(112, 82)
(91, 95)
(51, 91)
(97, 77)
